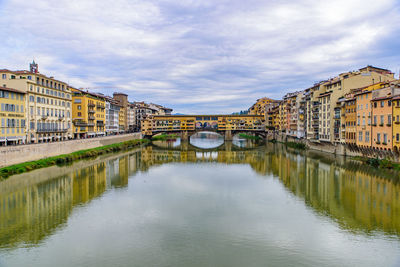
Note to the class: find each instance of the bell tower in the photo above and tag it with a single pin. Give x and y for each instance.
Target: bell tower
(34, 68)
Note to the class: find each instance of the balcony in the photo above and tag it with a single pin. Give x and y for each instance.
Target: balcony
(44, 117)
(51, 130)
(91, 105)
(100, 106)
(80, 123)
(91, 111)
(60, 118)
(92, 118)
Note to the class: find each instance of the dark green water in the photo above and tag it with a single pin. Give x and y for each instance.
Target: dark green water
(177, 205)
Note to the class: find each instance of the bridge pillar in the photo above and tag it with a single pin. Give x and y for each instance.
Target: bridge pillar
(228, 135)
(184, 136)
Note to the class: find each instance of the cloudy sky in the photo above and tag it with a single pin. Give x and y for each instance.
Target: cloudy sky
(199, 56)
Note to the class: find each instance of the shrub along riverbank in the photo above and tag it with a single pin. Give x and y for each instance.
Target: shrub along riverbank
(379, 163)
(164, 137)
(251, 137)
(296, 145)
(67, 158)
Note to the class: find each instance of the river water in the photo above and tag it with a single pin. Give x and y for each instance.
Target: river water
(204, 203)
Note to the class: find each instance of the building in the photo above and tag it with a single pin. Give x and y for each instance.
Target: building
(131, 117)
(364, 122)
(112, 116)
(349, 113)
(324, 116)
(312, 112)
(343, 84)
(271, 115)
(123, 101)
(381, 103)
(88, 113)
(48, 108)
(122, 119)
(12, 116)
(258, 108)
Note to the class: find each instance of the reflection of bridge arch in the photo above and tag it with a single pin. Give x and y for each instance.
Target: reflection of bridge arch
(187, 146)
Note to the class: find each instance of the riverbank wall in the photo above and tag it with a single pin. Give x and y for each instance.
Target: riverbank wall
(340, 149)
(22, 153)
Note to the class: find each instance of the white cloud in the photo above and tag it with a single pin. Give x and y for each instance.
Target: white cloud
(214, 56)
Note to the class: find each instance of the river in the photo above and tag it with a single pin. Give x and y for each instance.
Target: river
(203, 203)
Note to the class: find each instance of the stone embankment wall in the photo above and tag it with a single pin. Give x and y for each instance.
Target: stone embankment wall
(22, 153)
(338, 149)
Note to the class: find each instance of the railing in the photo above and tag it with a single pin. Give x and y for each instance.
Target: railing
(51, 130)
(91, 105)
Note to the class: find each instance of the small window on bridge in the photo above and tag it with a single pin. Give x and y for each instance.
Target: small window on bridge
(198, 118)
(214, 118)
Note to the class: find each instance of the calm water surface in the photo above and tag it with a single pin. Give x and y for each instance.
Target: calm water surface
(175, 204)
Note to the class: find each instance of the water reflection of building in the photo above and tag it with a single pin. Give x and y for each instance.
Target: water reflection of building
(35, 204)
(89, 182)
(357, 199)
(28, 213)
(32, 205)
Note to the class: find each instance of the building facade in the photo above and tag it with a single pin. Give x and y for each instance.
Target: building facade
(89, 114)
(112, 116)
(12, 116)
(48, 104)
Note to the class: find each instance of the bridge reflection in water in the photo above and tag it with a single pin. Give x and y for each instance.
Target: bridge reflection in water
(35, 205)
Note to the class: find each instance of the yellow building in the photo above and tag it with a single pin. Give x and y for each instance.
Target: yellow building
(48, 109)
(341, 85)
(12, 116)
(258, 108)
(122, 119)
(88, 114)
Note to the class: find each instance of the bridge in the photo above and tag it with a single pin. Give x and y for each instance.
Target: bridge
(187, 125)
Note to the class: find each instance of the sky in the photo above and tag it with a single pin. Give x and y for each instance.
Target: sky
(202, 56)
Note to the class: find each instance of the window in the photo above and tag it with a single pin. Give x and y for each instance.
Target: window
(79, 107)
(389, 119)
(367, 136)
(378, 138)
(397, 137)
(389, 103)
(4, 76)
(360, 138)
(382, 119)
(382, 103)
(79, 114)
(385, 138)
